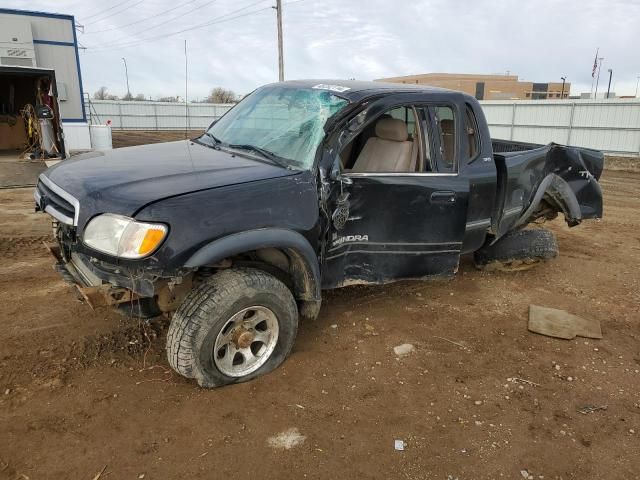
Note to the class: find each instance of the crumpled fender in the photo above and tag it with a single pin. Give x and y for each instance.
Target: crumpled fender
(562, 195)
(571, 184)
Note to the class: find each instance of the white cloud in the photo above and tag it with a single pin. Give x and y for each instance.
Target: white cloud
(363, 39)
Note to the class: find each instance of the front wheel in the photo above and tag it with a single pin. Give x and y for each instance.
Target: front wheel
(238, 325)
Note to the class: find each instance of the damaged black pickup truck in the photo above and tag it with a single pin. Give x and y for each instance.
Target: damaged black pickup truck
(303, 186)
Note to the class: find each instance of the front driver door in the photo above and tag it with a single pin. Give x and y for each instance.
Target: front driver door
(403, 225)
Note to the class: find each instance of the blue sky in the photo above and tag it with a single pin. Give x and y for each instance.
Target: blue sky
(364, 39)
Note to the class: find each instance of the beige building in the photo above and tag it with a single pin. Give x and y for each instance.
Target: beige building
(488, 87)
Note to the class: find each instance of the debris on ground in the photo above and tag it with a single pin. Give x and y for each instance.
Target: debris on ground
(286, 440)
(398, 445)
(403, 350)
(561, 324)
(99, 474)
(522, 380)
(450, 341)
(592, 408)
(526, 474)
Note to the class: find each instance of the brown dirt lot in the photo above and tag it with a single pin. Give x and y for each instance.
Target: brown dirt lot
(129, 138)
(83, 390)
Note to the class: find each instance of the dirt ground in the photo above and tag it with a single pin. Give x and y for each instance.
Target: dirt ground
(129, 138)
(83, 392)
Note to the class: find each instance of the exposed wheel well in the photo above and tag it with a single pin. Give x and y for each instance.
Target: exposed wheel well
(286, 264)
(286, 250)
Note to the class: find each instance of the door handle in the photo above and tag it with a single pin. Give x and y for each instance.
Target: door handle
(443, 196)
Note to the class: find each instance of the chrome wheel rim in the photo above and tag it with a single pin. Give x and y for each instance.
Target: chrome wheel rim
(246, 341)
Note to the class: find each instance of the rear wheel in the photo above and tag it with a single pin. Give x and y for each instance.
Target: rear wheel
(519, 250)
(238, 325)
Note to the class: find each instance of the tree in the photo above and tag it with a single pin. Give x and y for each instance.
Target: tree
(222, 95)
(169, 99)
(127, 96)
(102, 94)
(139, 96)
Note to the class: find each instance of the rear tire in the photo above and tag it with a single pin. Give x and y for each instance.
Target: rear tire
(519, 250)
(238, 325)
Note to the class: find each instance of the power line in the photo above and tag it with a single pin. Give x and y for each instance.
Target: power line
(146, 19)
(115, 13)
(106, 10)
(172, 19)
(219, 19)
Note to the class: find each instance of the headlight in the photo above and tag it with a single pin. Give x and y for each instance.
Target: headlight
(123, 236)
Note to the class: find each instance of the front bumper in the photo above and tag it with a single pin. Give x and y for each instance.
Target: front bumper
(100, 285)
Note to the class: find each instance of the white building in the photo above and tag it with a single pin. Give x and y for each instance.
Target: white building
(36, 42)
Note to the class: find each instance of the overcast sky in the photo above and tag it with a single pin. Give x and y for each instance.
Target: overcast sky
(538, 40)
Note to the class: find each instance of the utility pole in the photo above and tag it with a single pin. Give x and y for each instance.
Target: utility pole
(278, 8)
(637, 83)
(126, 74)
(609, 87)
(564, 79)
(600, 59)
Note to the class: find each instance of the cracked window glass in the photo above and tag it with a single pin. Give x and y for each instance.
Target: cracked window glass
(283, 120)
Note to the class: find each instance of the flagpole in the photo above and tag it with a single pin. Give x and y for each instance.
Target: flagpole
(593, 71)
(598, 77)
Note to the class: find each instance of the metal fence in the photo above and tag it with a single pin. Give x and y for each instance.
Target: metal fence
(134, 115)
(610, 125)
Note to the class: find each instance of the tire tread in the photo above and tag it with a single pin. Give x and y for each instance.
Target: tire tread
(193, 314)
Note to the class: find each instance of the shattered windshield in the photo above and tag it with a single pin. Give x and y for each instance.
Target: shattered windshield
(283, 122)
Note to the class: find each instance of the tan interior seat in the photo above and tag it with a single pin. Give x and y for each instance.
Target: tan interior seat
(389, 151)
(448, 141)
(345, 155)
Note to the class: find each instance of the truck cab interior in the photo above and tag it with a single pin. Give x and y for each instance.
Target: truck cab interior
(411, 139)
(405, 139)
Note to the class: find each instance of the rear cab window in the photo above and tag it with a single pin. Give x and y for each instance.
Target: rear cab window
(440, 139)
(445, 121)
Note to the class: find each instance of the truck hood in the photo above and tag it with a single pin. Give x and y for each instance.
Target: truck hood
(126, 179)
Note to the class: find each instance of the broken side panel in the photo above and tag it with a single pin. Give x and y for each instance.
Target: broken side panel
(546, 181)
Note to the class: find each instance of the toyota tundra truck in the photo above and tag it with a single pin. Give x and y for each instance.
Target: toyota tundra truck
(303, 186)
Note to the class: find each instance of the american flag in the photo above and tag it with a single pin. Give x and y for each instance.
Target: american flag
(595, 65)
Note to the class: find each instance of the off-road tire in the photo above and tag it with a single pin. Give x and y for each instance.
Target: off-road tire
(519, 250)
(206, 309)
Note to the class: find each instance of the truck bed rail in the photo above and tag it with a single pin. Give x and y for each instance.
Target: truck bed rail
(504, 146)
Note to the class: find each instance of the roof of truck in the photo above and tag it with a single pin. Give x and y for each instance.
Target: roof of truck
(356, 89)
